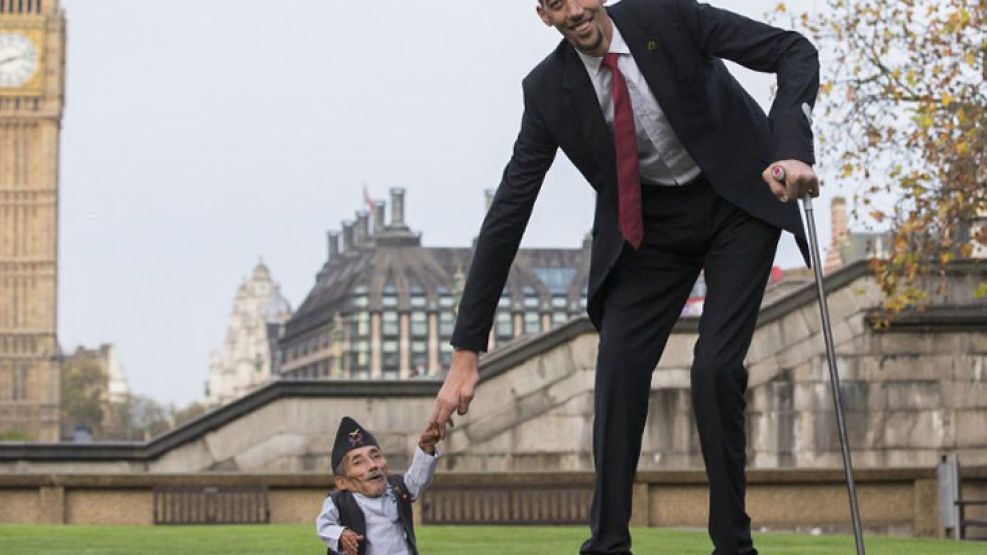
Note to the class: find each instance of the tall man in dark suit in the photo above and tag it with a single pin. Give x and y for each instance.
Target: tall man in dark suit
(681, 157)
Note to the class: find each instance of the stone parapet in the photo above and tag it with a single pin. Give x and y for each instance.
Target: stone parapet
(892, 500)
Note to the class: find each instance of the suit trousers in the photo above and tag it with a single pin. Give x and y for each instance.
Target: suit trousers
(687, 229)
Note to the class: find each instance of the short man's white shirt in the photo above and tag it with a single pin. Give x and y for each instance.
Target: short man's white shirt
(662, 158)
(385, 535)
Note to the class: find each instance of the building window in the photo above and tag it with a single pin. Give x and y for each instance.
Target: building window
(390, 326)
(447, 322)
(559, 318)
(419, 324)
(530, 298)
(504, 325)
(556, 280)
(19, 383)
(389, 297)
(446, 302)
(559, 301)
(417, 297)
(390, 357)
(359, 296)
(419, 358)
(532, 323)
(359, 324)
(360, 358)
(445, 354)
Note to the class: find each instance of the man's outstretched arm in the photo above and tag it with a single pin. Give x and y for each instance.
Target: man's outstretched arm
(496, 247)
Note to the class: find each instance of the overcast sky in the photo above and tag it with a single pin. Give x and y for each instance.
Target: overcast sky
(201, 135)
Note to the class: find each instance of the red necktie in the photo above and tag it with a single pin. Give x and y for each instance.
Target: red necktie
(625, 141)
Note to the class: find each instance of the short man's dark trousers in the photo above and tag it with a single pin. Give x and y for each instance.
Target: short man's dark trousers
(686, 229)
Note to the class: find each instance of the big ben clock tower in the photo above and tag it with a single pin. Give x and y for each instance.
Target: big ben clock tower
(32, 43)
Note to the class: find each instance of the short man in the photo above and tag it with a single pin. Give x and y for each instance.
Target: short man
(369, 511)
(680, 156)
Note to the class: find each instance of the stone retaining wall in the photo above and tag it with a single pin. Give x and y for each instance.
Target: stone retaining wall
(897, 501)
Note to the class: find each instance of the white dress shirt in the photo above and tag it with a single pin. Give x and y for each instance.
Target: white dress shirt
(662, 158)
(385, 535)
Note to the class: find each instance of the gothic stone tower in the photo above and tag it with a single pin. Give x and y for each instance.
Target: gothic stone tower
(32, 43)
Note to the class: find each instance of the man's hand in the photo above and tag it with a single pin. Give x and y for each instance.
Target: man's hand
(457, 390)
(349, 542)
(799, 179)
(429, 438)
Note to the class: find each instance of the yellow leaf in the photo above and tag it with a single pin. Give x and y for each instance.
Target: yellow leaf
(877, 215)
(962, 148)
(962, 117)
(781, 8)
(947, 99)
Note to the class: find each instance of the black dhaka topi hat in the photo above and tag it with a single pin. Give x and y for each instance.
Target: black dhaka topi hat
(350, 436)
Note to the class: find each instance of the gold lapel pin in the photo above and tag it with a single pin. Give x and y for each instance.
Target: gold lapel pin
(652, 46)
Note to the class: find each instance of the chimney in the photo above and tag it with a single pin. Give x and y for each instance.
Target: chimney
(838, 235)
(378, 216)
(347, 237)
(488, 196)
(362, 232)
(838, 223)
(333, 245)
(397, 207)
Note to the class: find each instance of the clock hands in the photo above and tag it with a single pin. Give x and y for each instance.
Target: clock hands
(11, 59)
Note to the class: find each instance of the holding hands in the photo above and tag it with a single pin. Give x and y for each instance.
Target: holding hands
(457, 390)
(430, 437)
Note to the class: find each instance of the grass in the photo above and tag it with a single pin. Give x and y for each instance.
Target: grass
(433, 540)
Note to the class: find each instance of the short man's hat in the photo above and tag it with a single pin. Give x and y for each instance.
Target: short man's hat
(350, 436)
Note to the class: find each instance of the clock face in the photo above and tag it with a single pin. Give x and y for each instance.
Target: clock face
(18, 59)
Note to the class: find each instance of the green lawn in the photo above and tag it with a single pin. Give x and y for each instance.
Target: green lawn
(434, 540)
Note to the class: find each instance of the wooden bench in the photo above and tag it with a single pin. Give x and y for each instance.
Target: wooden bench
(211, 505)
(952, 504)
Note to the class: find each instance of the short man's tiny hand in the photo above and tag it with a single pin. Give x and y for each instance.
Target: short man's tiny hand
(349, 541)
(457, 390)
(429, 438)
(797, 179)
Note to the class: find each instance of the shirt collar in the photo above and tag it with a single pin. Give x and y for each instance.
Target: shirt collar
(617, 46)
(389, 493)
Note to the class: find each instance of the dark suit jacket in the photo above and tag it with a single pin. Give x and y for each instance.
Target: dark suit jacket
(678, 46)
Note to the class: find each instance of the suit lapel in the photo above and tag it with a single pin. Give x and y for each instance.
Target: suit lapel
(651, 57)
(582, 99)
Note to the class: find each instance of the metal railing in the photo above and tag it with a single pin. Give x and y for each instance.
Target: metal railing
(211, 505)
(507, 504)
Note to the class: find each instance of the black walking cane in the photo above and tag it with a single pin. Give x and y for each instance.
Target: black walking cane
(779, 174)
